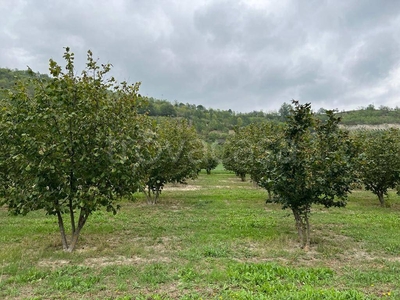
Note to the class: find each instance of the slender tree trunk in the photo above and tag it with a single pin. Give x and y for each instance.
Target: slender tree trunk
(381, 198)
(72, 167)
(74, 240)
(75, 235)
(62, 231)
(269, 195)
(72, 215)
(152, 196)
(148, 195)
(299, 226)
(243, 177)
(307, 231)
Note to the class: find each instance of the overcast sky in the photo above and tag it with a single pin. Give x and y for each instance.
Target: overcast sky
(243, 55)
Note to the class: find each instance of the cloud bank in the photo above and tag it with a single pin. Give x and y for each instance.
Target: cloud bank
(243, 55)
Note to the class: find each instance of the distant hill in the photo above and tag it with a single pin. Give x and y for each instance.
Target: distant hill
(9, 77)
(371, 116)
(215, 124)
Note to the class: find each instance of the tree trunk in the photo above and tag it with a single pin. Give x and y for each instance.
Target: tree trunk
(307, 231)
(75, 235)
(303, 228)
(299, 226)
(74, 240)
(72, 215)
(152, 196)
(157, 194)
(381, 198)
(243, 177)
(62, 231)
(148, 196)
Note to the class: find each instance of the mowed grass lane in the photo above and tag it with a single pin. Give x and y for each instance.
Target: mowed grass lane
(214, 238)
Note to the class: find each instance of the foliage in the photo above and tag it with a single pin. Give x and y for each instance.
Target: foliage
(248, 151)
(263, 138)
(209, 161)
(73, 145)
(284, 111)
(4, 149)
(9, 78)
(371, 116)
(313, 165)
(380, 165)
(178, 156)
(235, 157)
(213, 125)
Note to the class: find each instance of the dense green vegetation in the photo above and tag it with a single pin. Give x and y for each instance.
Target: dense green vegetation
(379, 164)
(70, 146)
(67, 148)
(178, 156)
(215, 125)
(8, 78)
(307, 161)
(371, 115)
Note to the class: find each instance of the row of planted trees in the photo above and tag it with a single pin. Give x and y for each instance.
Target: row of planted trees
(308, 161)
(71, 145)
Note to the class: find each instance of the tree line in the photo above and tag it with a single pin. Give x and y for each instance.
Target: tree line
(214, 125)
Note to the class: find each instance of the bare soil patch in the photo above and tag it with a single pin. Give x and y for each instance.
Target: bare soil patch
(121, 261)
(182, 188)
(104, 261)
(53, 264)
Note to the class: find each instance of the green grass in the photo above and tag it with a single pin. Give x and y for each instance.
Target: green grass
(212, 239)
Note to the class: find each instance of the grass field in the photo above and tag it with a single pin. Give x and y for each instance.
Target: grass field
(212, 239)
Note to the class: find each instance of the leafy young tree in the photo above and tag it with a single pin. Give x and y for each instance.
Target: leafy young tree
(209, 160)
(284, 111)
(235, 155)
(263, 138)
(314, 165)
(167, 109)
(247, 151)
(75, 146)
(178, 156)
(380, 164)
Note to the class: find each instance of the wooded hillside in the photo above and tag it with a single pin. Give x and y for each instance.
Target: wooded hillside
(214, 124)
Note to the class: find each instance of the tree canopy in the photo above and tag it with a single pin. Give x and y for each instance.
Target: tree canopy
(74, 145)
(379, 167)
(178, 156)
(313, 165)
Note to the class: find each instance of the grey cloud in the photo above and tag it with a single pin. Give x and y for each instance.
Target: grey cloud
(370, 13)
(221, 54)
(375, 58)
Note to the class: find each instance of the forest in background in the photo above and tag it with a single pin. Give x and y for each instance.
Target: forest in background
(214, 125)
